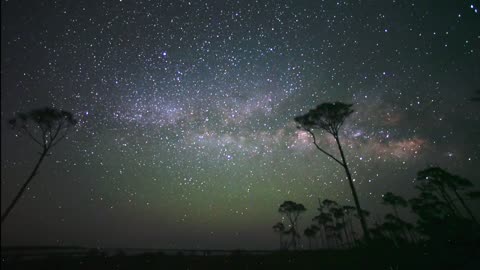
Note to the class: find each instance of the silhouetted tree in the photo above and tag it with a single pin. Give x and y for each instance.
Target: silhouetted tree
(397, 228)
(474, 195)
(45, 127)
(411, 232)
(339, 217)
(330, 118)
(292, 211)
(310, 233)
(435, 180)
(477, 98)
(348, 210)
(324, 219)
(394, 201)
(279, 228)
(436, 218)
(429, 208)
(329, 204)
(456, 183)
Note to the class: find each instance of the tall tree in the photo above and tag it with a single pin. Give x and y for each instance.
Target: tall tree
(477, 97)
(45, 127)
(310, 233)
(330, 117)
(348, 210)
(339, 216)
(394, 201)
(292, 211)
(393, 226)
(435, 179)
(457, 183)
(434, 215)
(436, 219)
(279, 228)
(474, 195)
(324, 220)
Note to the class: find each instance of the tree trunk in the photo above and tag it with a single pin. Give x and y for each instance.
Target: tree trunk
(395, 210)
(465, 206)
(294, 240)
(352, 232)
(24, 187)
(449, 201)
(412, 237)
(354, 192)
(324, 236)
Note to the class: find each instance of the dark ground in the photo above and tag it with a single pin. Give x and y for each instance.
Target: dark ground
(372, 258)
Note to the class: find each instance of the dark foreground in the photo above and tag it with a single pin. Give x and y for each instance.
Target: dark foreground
(372, 258)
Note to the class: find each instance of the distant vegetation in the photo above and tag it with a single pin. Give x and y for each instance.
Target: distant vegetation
(441, 232)
(442, 215)
(443, 218)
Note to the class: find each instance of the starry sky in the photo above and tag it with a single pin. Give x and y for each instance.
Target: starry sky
(186, 136)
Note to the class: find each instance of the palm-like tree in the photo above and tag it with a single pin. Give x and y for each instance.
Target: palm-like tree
(46, 127)
(330, 117)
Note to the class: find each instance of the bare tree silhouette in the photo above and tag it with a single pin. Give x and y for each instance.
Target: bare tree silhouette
(330, 117)
(45, 127)
(292, 211)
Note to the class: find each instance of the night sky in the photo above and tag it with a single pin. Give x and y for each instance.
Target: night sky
(186, 136)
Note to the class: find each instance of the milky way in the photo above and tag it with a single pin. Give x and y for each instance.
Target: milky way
(186, 135)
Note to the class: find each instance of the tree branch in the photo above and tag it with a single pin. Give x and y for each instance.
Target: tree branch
(31, 135)
(323, 151)
(60, 138)
(52, 138)
(44, 135)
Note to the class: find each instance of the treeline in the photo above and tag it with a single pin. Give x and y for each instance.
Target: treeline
(440, 210)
